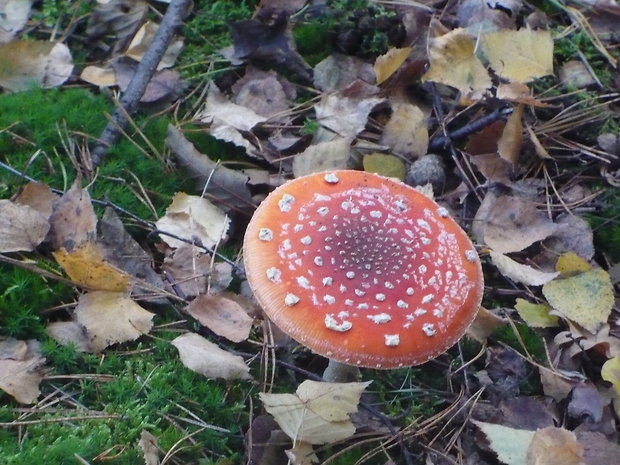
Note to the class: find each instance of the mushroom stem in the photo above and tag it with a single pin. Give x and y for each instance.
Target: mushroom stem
(337, 372)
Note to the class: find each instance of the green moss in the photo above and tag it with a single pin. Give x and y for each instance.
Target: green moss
(606, 226)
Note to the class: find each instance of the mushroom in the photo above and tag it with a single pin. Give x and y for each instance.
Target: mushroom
(362, 269)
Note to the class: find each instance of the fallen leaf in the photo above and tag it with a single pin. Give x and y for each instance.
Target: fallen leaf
(453, 62)
(536, 315)
(386, 165)
(99, 76)
(324, 156)
(69, 333)
(480, 16)
(25, 64)
(222, 315)
(110, 318)
(21, 369)
(509, 144)
(22, 227)
(555, 384)
(164, 84)
(193, 218)
(38, 196)
(570, 263)
(346, 116)
(143, 38)
(14, 15)
(302, 453)
(587, 403)
(73, 220)
(597, 449)
(122, 17)
(485, 323)
(387, 64)
(554, 446)
(575, 75)
(208, 359)
(406, 132)
(610, 372)
(86, 267)
(336, 72)
(522, 55)
(318, 413)
(520, 273)
(265, 92)
(228, 121)
(509, 444)
(150, 451)
(587, 298)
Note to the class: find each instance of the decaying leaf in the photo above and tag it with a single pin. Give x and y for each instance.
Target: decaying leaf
(510, 444)
(557, 385)
(386, 65)
(14, 15)
(38, 196)
(208, 359)
(302, 453)
(102, 76)
(222, 315)
(453, 62)
(228, 121)
(148, 444)
(337, 72)
(110, 318)
(554, 446)
(21, 369)
(586, 299)
(25, 64)
(522, 55)
(318, 413)
(265, 92)
(536, 315)
(346, 116)
(86, 267)
(406, 132)
(120, 17)
(484, 324)
(22, 227)
(509, 145)
(386, 165)
(193, 218)
(324, 156)
(69, 333)
(519, 272)
(163, 85)
(73, 220)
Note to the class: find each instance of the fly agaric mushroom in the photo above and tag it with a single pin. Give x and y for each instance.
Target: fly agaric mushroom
(362, 269)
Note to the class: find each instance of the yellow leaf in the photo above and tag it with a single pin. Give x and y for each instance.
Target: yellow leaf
(570, 263)
(536, 315)
(386, 65)
(453, 62)
(522, 55)
(406, 132)
(509, 144)
(86, 267)
(610, 371)
(385, 165)
(586, 299)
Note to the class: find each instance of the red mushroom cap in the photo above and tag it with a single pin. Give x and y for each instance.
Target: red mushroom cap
(362, 269)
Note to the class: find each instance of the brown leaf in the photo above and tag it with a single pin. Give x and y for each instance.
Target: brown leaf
(554, 446)
(209, 360)
(597, 449)
(222, 315)
(509, 145)
(73, 220)
(265, 92)
(21, 369)
(164, 84)
(143, 38)
(483, 326)
(38, 196)
(122, 17)
(28, 63)
(406, 132)
(148, 444)
(22, 227)
(336, 72)
(110, 318)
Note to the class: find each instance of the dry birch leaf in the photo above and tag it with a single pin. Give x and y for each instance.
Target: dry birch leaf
(22, 227)
(222, 315)
(73, 220)
(208, 359)
(520, 273)
(387, 64)
(21, 369)
(110, 318)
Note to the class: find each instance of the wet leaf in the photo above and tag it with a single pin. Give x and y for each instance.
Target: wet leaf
(586, 299)
(208, 359)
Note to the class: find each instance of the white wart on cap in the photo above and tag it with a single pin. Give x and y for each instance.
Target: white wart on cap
(362, 269)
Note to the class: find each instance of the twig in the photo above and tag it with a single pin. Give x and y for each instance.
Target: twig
(137, 86)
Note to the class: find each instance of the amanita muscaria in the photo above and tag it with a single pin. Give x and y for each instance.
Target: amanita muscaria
(362, 269)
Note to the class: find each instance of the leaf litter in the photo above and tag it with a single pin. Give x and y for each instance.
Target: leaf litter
(382, 114)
